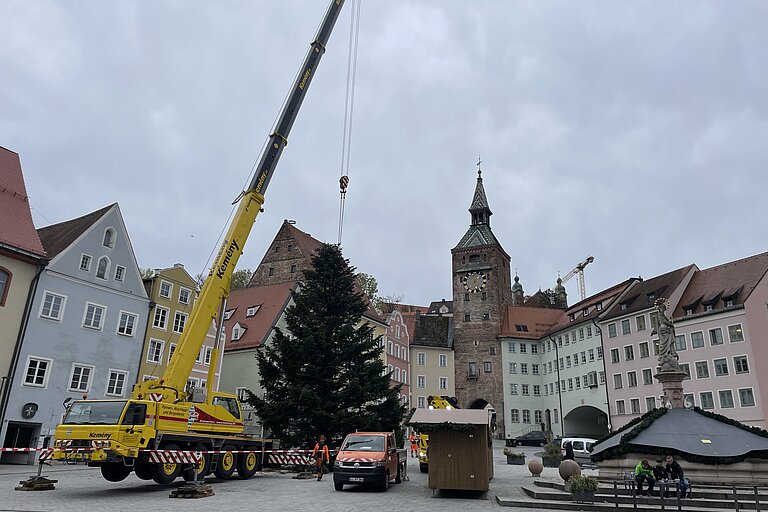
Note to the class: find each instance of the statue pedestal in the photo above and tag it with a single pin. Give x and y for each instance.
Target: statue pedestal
(672, 385)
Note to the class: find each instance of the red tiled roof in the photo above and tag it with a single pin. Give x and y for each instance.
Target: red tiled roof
(58, 237)
(308, 245)
(17, 228)
(272, 300)
(604, 297)
(538, 321)
(643, 294)
(734, 280)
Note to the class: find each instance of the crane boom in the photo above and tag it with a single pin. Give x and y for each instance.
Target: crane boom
(579, 269)
(217, 284)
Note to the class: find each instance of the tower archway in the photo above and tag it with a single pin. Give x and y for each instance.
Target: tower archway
(587, 421)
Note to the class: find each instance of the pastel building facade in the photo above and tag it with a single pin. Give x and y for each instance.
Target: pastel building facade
(86, 327)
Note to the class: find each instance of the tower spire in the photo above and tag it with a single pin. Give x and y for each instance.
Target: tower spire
(479, 210)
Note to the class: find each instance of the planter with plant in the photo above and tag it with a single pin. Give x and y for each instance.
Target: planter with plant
(514, 458)
(552, 456)
(583, 488)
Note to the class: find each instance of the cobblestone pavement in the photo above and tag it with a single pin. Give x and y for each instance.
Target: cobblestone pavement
(81, 488)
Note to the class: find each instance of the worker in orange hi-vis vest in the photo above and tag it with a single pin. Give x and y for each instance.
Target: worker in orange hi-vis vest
(414, 444)
(320, 454)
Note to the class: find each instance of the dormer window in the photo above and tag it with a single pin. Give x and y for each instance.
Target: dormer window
(688, 311)
(228, 314)
(728, 303)
(599, 306)
(571, 317)
(237, 331)
(109, 238)
(252, 310)
(708, 307)
(623, 306)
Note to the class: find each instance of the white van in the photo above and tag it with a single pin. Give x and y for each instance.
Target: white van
(582, 447)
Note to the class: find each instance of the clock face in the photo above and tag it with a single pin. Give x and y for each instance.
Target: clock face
(474, 281)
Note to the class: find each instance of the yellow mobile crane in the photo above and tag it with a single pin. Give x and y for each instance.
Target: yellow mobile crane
(433, 402)
(121, 435)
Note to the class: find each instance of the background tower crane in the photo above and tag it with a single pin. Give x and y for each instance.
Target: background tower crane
(579, 269)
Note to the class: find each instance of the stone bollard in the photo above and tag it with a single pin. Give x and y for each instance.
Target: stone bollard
(535, 466)
(567, 469)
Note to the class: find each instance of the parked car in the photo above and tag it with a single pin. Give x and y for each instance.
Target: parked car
(369, 458)
(582, 447)
(534, 438)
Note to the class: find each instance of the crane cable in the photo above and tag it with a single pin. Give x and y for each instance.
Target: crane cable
(349, 101)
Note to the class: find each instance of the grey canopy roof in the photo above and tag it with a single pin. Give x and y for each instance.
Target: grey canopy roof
(685, 431)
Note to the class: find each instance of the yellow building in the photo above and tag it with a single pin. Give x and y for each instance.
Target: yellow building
(172, 292)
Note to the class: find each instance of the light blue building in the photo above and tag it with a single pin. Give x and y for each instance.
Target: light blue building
(85, 329)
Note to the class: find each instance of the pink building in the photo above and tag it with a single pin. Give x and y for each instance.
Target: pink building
(396, 352)
(630, 348)
(721, 328)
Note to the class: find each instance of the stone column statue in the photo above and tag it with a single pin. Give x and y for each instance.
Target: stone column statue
(666, 331)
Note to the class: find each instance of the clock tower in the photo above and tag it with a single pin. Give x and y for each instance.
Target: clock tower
(482, 291)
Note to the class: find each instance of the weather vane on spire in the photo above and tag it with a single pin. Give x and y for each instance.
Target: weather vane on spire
(479, 172)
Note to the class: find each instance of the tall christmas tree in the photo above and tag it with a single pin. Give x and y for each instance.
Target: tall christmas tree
(325, 374)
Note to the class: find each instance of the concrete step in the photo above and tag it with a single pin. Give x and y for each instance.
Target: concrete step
(597, 506)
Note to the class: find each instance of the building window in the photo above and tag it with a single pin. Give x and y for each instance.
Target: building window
(119, 273)
(726, 399)
(443, 361)
(535, 369)
(483, 295)
(109, 238)
(208, 354)
(644, 350)
(102, 268)
(707, 400)
(126, 324)
(640, 323)
(735, 334)
(397, 374)
(523, 368)
(487, 367)
(271, 271)
(513, 389)
(537, 392)
(620, 409)
(5, 285)
(686, 367)
(523, 348)
(116, 382)
(155, 350)
(80, 378)
(746, 397)
(634, 405)
(179, 320)
(680, 343)
(647, 377)
(556, 415)
(37, 371)
(94, 315)
(632, 379)
(184, 295)
(697, 339)
(421, 381)
(591, 353)
(740, 364)
(486, 316)
(625, 329)
(161, 318)
(421, 358)
(472, 370)
(466, 317)
(421, 402)
(611, 330)
(165, 289)
(293, 269)
(629, 353)
(85, 263)
(514, 416)
(443, 382)
(721, 367)
(53, 306)
(526, 416)
(511, 347)
(614, 355)
(171, 350)
(570, 384)
(405, 377)
(599, 352)
(567, 361)
(650, 403)
(236, 332)
(512, 368)
(716, 336)
(617, 382)
(702, 370)
(602, 377)
(390, 348)
(228, 314)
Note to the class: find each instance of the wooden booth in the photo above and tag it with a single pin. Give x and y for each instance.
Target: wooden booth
(460, 449)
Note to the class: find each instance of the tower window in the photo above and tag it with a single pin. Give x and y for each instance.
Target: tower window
(466, 317)
(466, 296)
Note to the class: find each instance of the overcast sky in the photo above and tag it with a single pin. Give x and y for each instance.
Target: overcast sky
(636, 132)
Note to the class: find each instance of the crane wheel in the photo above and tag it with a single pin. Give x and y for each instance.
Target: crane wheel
(144, 470)
(227, 463)
(165, 474)
(202, 468)
(247, 464)
(115, 471)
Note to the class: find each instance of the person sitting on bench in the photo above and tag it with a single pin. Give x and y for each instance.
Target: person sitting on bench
(644, 471)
